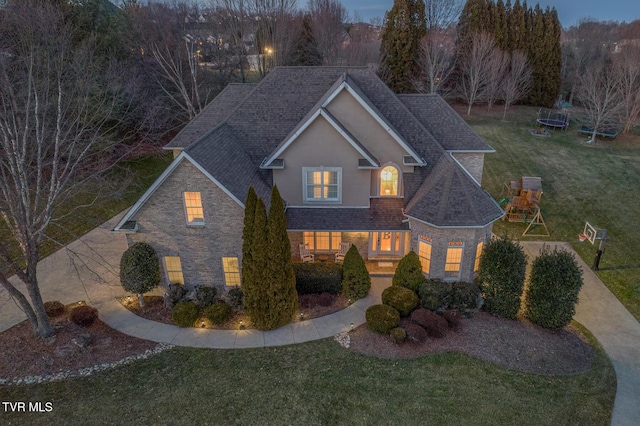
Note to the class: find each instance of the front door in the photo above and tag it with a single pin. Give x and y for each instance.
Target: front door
(383, 244)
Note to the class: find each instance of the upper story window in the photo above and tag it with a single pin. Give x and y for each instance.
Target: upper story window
(389, 181)
(322, 183)
(193, 208)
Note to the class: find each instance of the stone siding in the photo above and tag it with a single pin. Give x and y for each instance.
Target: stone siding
(162, 223)
(441, 237)
(473, 162)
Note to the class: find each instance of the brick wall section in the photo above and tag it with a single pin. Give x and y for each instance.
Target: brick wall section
(440, 242)
(473, 162)
(162, 223)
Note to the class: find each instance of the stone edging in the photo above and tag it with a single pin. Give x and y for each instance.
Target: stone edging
(84, 372)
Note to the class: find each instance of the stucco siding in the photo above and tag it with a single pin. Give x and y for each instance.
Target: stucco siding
(321, 145)
(162, 223)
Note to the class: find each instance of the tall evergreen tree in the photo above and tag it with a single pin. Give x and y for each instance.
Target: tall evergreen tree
(305, 49)
(247, 238)
(404, 27)
(280, 279)
(255, 294)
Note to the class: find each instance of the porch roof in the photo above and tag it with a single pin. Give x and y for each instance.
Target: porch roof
(383, 215)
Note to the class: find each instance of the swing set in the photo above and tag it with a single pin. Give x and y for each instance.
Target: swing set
(522, 204)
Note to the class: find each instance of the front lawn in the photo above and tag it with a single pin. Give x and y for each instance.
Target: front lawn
(580, 183)
(320, 383)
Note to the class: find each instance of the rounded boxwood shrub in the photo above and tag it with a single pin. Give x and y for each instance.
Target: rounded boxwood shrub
(54, 308)
(382, 318)
(409, 272)
(356, 282)
(398, 335)
(84, 315)
(415, 333)
(236, 298)
(315, 278)
(205, 295)
(554, 284)
(400, 298)
(185, 314)
(218, 313)
(466, 298)
(139, 269)
(501, 277)
(434, 324)
(434, 294)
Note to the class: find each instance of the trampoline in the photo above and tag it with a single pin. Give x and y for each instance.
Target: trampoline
(601, 132)
(554, 119)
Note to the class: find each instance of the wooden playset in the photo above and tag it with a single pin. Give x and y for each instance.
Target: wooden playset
(522, 203)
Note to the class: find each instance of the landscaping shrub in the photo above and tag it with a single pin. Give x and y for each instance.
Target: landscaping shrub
(466, 298)
(140, 269)
(434, 294)
(453, 318)
(313, 278)
(236, 298)
(554, 284)
(382, 318)
(356, 282)
(434, 324)
(84, 315)
(501, 277)
(54, 308)
(174, 295)
(398, 335)
(409, 272)
(184, 314)
(400, 298)
(218, 313)
(325, 299)
(415, 333)
(205, 295)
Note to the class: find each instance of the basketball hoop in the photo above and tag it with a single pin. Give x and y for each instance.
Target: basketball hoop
(582, 238)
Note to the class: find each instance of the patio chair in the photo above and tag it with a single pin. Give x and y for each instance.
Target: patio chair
(305, 253)
(344, 248)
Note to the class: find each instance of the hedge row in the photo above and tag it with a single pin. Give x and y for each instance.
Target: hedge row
(315, 278)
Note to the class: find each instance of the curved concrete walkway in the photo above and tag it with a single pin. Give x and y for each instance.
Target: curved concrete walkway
(87, 270)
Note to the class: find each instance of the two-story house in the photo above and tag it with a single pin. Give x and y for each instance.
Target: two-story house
(353, 161)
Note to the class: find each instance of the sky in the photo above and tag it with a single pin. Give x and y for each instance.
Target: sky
(569, 11)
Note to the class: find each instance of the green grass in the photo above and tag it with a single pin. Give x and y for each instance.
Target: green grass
(127, 183)
(580, 183)
(320, 383)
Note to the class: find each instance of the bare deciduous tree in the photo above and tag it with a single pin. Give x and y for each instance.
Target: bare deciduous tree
(475, 70)
(56, 106)
(599, 95)
(497, 64)
(441, 14)
(327, 24)
(437, 62)
(234, 20)
(275, 32)
(627, 69)
(517, 80)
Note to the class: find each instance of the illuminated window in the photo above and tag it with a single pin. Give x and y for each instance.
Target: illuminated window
(231, 271)
(476, 265)
(454, 260)
(193, 207)
(321, 183)
(424, 252)
(174, 269)
(389, 181)
(322, 241)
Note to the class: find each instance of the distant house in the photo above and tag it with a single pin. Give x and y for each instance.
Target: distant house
(353, 161)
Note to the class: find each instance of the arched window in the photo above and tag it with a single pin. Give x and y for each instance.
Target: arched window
(389, 181)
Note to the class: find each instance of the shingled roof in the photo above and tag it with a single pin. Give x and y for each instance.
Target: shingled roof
(246, 123)
(437, 116)
(451, 198)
